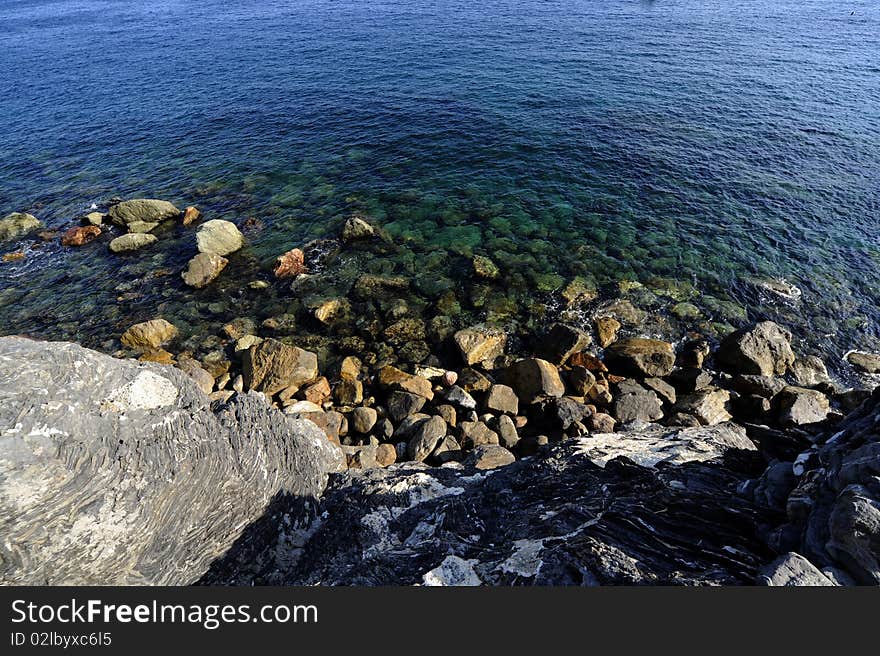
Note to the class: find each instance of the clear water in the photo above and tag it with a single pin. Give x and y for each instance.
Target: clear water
(691, 146)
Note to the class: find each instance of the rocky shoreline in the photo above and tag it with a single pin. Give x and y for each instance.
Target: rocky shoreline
(404, 392)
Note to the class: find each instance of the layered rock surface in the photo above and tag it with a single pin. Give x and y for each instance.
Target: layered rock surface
(117, 472)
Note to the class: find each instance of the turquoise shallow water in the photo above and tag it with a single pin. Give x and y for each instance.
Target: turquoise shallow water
(691, 146)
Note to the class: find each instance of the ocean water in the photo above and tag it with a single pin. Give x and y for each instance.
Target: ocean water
(695, 147)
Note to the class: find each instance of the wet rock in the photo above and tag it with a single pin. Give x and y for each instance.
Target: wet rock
(149, 335)
(809, 371)
(190, 215)
(373, 286)
(485, 268)
(533, 379)
(867, 362)
(640, 357)
(561, 342)
(239, 327)
(503, 399)
(792, 569)
(272, 366)
(764, 350)
(332, 310)
(80, 235)
(507, 433)
(290, 265)
(709, 406)
(479, 343)
(459, 398)
(426, 438)
(606, 330)
(142, 209)
(489, 456)
(475, 433)
(203, 269)
(664, 390)
(579, 290)
(798, 406)
(356, 229)
(580, 380)
(244, 342)
(403, 404)
(93, 218)
(112, 431)
(218, 237)
(141, 227)
(637, 405)
(131, 242)
(362, 420)
(693, 354)
(406, 330)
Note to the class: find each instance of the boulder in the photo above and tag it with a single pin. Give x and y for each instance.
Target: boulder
(475, 433)
(479, 343)
(580, 380)
(115, 472)
(507, 434)
(456, 396)
(533, 379)
(664, 390)
(426, 438)
(561, 342)
(272, 366)
(403, 404)
(792, 569)
(503, 399)
(362, 420)
(762, 350)
(93, 218)
(203, 269)
(809, 371)
(80, 235)
(149, 335)
(131, 242)
(709, 406)
(489, 456)
(146, 210)
(218, 237)
(687, 380)
(142, 226)
(798, 406)
(194, 370)
(190, 215)
(606, 330)
(637, 405)
(640, 357)
(18, 224)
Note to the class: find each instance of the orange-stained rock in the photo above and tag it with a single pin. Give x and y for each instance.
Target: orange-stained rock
(190, 215)
(292, 263)
(80, 235)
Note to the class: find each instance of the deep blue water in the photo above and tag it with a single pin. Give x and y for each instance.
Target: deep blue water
(708, 142)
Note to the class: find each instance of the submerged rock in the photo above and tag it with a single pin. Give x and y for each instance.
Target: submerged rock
(218, 237)
(114, 472)
(203, 269)
(18, 224)
(146, 210)
(132, 242)
(356, 228)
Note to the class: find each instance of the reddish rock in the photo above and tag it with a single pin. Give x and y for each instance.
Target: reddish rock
(13, 257)
(291, 264)
(80, 235)
(588, 361)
